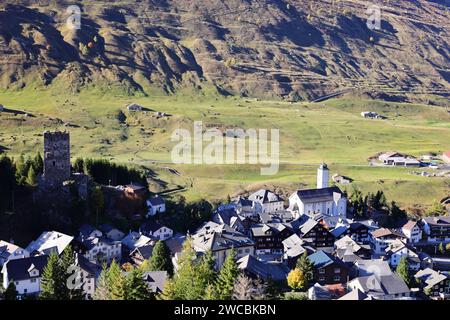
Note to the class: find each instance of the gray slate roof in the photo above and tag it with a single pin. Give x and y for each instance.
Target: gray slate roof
(315, 195)
(213, 236)
(265, 196)
(18, 269)
(263, 270)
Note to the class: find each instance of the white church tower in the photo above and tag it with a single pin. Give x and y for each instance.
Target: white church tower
(322, 176)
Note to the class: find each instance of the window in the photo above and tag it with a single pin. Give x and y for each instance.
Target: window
(321, 278)
(321, 271)
(337, 270)
(33, 280)
(336, 278)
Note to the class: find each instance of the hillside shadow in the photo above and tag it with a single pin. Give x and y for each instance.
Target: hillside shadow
(17, 112)
(3, 149)
(301, 33)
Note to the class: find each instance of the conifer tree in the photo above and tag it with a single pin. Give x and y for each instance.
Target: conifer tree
(51, 277)
(227, 277)
(185, 285)
(403, 271)
(11, 291)
(31, 176)
(306, 266)
(161, 259)
(102, 292)
(38, 163)
(135, 286)
(116, 281)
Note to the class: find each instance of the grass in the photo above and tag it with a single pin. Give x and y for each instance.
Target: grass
(332, 131)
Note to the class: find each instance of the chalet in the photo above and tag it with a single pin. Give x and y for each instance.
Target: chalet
(156, 280)
(399, 249)
(269, 237)
(397, 159)
(434, 283)
(316, 234)
(155, 205)
(111, 233)
(328, 269)
(384, 287)
(257, 269)
(9, 251)
(357, 231)
(141, 254)
(268, 200)
(381, 238)
(101, 250)
(412, 231)
(155, 230)
(221, 240)
(49, 241)
(26, 274)
(446, 156)
(437, 229)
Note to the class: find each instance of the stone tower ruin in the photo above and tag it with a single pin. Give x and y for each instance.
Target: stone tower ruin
(56, 157)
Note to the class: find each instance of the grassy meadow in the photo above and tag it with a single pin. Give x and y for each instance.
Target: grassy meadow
(332, 131)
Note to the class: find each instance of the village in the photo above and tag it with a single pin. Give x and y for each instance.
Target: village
(315, 244)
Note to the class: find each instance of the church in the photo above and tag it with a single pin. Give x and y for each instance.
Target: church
(326, 200)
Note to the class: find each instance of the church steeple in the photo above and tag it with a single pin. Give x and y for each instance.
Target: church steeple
(322, 176)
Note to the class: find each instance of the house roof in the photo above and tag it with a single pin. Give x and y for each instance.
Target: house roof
(86, 230)
(316, 195)
(321, 259)
(308, 226)
(263, 270)
(106, 228)
(244, 202)
(293, 246)
(347, 243)
(18, 269)
(262, 229)
(354, 295)
(383, 232)
(134, 240)
(444, 221)
(156, 280)
(6, 249)
(264, 196)
(50, 241)
(156, 201)
(382, 285)
(89, 267)
(213, 236)
(430, 277)
(326, 292)
(409, 225)
(371, 266)
(145, 251)
(92, 242)
(150, 227)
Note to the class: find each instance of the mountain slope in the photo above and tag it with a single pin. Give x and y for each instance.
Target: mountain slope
(293, 49)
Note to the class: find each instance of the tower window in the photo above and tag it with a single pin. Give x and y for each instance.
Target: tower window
(54, 163)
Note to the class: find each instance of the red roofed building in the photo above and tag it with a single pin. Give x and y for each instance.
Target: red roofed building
(446, 156)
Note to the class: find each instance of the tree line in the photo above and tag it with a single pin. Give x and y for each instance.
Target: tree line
(105, 172)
